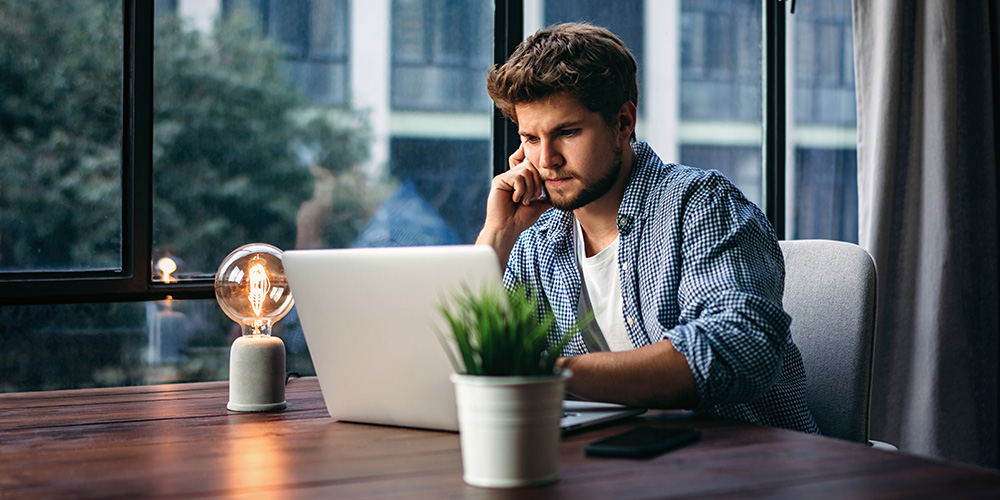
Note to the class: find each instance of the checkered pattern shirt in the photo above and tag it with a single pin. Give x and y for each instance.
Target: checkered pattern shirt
(699, 265)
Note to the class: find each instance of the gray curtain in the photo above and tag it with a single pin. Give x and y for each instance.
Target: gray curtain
(927, 182)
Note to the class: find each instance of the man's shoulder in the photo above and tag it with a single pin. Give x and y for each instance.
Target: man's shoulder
(553, 224)
(677, 182)
(552, 218)
(653, 172)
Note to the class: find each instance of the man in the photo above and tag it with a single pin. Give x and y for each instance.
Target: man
(683, 275)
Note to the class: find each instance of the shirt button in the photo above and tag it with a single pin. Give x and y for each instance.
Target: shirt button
(623, 221)
(630, 320)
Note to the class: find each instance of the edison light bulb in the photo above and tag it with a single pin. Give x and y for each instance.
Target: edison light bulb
(252, 290)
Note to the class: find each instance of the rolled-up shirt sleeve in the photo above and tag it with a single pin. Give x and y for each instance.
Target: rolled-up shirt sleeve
(731, 326)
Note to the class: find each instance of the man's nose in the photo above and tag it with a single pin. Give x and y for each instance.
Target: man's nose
(549, 156)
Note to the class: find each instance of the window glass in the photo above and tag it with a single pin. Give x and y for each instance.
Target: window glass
(440, 124)
(440, 52)
(699, 76)
(315, 37)
(60, 135)
(720, 94)
(134, 343)
(247, 145)
(822, 167)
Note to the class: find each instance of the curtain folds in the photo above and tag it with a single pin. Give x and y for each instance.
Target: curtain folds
(928, 197)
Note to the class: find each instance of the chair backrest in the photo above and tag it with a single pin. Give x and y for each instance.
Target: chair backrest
(830, 294)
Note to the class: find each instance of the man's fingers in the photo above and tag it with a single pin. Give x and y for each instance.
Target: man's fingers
(525, 185)
(517, 157)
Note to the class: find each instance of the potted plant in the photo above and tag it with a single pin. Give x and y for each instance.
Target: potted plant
(508, 393)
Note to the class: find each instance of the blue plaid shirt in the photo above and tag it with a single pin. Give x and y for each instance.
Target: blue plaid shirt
(699, 265)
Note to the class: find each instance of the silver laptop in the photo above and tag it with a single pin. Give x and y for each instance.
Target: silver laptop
(371, 320)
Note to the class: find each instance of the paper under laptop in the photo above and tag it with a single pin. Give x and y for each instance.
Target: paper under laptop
(371, 320)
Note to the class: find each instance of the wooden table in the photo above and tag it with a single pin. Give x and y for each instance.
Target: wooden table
(179, 441)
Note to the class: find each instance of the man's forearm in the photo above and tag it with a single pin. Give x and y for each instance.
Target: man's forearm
(654, 376)
(502, 240)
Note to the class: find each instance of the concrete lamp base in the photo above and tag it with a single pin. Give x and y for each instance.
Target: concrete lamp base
(257, 374)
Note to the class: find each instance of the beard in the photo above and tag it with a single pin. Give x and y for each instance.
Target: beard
(594, 190)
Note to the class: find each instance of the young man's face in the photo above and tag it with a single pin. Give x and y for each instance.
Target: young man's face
(575, 151)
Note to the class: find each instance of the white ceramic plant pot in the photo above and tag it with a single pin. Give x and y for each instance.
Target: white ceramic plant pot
(509, 428)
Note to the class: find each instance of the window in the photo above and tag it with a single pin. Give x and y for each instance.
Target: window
(333, 123)
(61, 136)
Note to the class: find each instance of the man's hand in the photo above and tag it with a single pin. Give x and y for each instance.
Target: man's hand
(515, 202)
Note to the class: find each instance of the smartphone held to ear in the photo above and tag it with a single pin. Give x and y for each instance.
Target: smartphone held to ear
(641, 442)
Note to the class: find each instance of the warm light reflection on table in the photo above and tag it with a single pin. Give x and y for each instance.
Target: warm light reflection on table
(255, 460)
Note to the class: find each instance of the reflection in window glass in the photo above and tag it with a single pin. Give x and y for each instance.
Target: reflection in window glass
(451, 197)
(739, 164)
(105, 345)
(60, 135)
(822, 174)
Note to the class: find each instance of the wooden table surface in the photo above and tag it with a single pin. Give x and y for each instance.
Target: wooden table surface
(179, 441)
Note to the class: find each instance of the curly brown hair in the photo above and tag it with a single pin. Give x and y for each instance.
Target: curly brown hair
(585, 61)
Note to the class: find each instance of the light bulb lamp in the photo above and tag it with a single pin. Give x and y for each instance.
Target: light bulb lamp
(252, 290)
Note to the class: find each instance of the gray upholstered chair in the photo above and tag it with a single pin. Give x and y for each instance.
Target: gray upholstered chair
(830, 295)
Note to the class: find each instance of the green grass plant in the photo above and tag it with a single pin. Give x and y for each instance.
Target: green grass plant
(501, 334)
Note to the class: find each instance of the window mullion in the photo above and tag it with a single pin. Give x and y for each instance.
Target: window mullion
(137, 151)
(774, 114)
(508, 31)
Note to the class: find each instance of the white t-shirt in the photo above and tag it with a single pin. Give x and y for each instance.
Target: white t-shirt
(601, 293)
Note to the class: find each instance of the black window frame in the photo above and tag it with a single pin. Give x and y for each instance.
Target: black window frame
(134, 281)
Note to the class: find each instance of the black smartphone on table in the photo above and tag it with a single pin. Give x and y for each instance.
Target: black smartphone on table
(643, 441)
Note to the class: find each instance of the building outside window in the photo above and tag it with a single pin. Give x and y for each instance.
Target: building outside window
(440, 52)
(315, 35)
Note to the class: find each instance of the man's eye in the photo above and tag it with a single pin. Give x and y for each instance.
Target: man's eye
(569, 132)
(531, 140)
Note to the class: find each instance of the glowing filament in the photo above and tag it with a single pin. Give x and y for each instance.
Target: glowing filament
(259, 286)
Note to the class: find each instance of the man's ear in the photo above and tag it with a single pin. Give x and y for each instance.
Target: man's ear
(626, 119)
